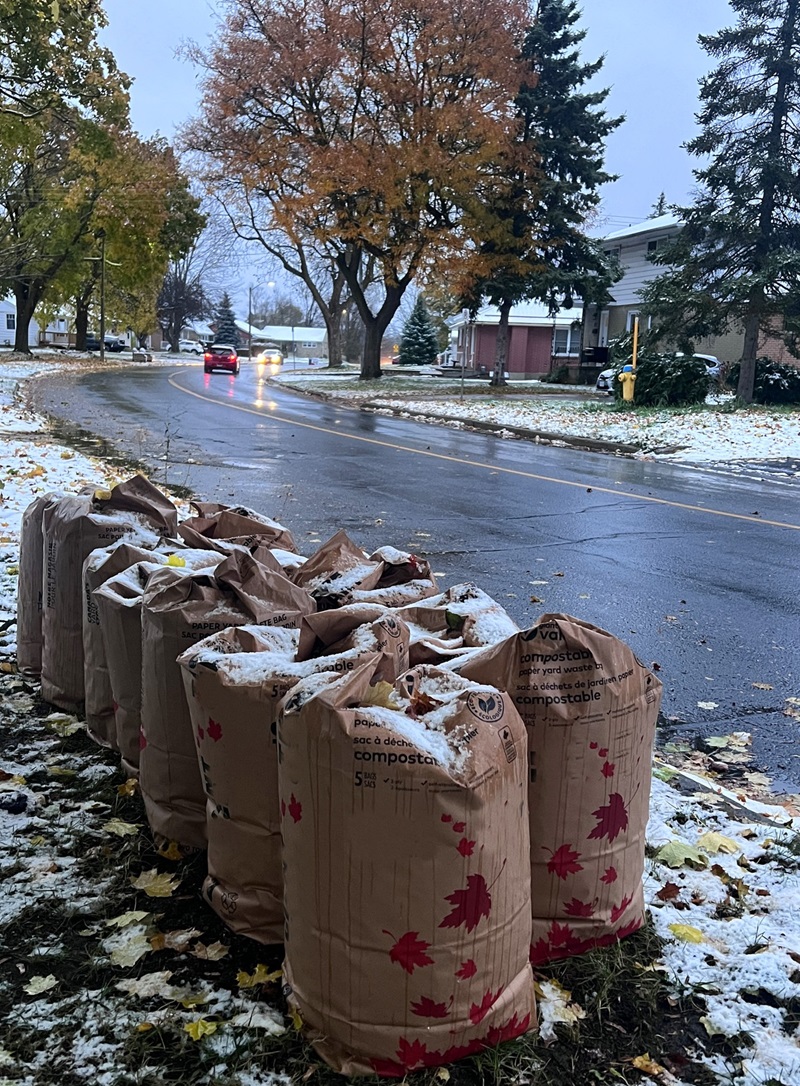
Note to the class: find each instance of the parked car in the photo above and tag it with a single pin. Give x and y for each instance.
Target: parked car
(115, 344)
(605, 379)
(221, 356)
(190, 346)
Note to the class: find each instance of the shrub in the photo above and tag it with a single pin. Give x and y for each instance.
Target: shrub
(776, 382)
(557, 377)
(667, 380)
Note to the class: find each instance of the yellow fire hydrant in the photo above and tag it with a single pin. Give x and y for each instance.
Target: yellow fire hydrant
(628, 379)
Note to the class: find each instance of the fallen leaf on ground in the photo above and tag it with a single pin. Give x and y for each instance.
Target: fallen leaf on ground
(128, 787)
(156, 883)
(122, 921)
(37, 985)
(679, 854)
(172, 851)
(707, 705)
(129, 951)
(763, 686)
(687, 933)
(261, 975)
(648, 1066)
(120, 828)
(201, 1027)
(63, 724)
(151, 984)
(174, 940)
(668, 892)
(717, 842)
(212, 953)
(711, 1029)
(259, 1018)
(60, 771)
(555, 1006)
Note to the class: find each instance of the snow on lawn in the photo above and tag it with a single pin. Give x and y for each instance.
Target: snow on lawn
(701, 435)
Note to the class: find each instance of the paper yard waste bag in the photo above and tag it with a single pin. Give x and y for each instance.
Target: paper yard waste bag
(454, 623)
(29, 586)
(101, 564)
(340, 572)
(73, 528)
(234, 682)
(119, 602)
(590, 709)
(406, 869)
(179, 609)
(238, 524)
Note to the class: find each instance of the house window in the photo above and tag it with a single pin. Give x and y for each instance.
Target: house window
(617, 252)
(632, 315)
(659, 243)
(566, 340)
(11, 321)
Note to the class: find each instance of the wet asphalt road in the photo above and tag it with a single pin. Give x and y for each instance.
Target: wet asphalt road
(698, 571)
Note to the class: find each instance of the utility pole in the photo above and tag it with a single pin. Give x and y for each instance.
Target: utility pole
(101, 237)
(250, 321)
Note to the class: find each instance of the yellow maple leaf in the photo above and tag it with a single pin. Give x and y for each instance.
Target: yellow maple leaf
(120, 828)
(39, 984)
(687, 933)
(143, 1027)
(261, 975)
(381, 694)
(717, 842)
(60, 771)
(156, 883)
(650, 1067)
(296, 1018)
(201, 1027)
(129, 788)
(172, 851)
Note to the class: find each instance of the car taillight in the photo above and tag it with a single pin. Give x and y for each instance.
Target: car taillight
(206, 357)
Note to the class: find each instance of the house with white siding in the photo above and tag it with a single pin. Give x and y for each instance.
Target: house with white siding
(8, 325)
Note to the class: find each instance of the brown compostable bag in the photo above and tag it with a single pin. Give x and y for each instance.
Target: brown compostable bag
(406, 869)
(101, 564)
(73, 528)
(590, 709)
(340, 572)
(29, 586)
(237, 524)
(119, 602)
(455, 623)
(234, 681)
(179, 609)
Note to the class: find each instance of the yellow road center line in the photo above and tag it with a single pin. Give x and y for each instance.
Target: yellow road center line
(749, 519)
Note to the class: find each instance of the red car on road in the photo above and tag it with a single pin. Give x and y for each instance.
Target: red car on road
(221, 356)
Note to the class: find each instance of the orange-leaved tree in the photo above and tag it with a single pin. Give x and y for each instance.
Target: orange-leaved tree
(363, 126)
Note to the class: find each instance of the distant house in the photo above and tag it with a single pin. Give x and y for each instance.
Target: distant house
(634, 247)
(297, 340)
(539, 343)
(8, 325)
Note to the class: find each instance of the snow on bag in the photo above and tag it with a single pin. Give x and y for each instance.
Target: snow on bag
(590, 709)
(101, 564)
(340, 572)
(237, 524)
(73, 527)
(179, 609)
(29, 586)
(407, 875)
(234, 681)
(454, 623)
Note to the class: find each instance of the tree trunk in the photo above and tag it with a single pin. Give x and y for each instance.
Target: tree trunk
(747, 364)
(334, 327)
(26, 297)
(371, 359)
(82, 318)
(501, 345)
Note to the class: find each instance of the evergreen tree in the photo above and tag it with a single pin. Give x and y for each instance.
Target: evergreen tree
(660, 207)
(226, 332)
(736, 262)
(533, 220)
(418, 346)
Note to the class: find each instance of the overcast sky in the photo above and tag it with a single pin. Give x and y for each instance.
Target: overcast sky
(652, 66)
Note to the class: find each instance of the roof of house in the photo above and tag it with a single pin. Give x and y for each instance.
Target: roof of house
(285, 333)
(531, 314)
(660, 222)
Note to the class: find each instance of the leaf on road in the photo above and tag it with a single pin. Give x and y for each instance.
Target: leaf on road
(763, 686)
(120, 828)
(156, 883)
(717, 842)
(680, 854)
(37, 985)
(707, 705)
(687, 933)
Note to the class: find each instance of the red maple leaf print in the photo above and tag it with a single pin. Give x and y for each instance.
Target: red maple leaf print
(579, 908)
(468, 969)
(214, 730)
(618, 910)
(409, 951)
(469, 905)
(426, 1008)
(540, 951)
(447, 818)
(295, 808)
(593, 746)
(200, 733)
(609, 876)
(560, 935)
(602, 752)
(411, 1055)
(612, 819)
(514, 1027)
(465, 847)
(478, 1011)
(608, 769)
(283, 808)
(562, 862)
(459, 827)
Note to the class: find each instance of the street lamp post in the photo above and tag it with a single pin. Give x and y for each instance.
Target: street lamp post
(250, 321)
(101, 237)
(294, 354)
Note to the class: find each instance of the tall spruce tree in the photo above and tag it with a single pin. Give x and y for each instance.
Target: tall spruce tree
(660, 207)
(226, 332)
(533, 221)
(418, 346)
(736, 262)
